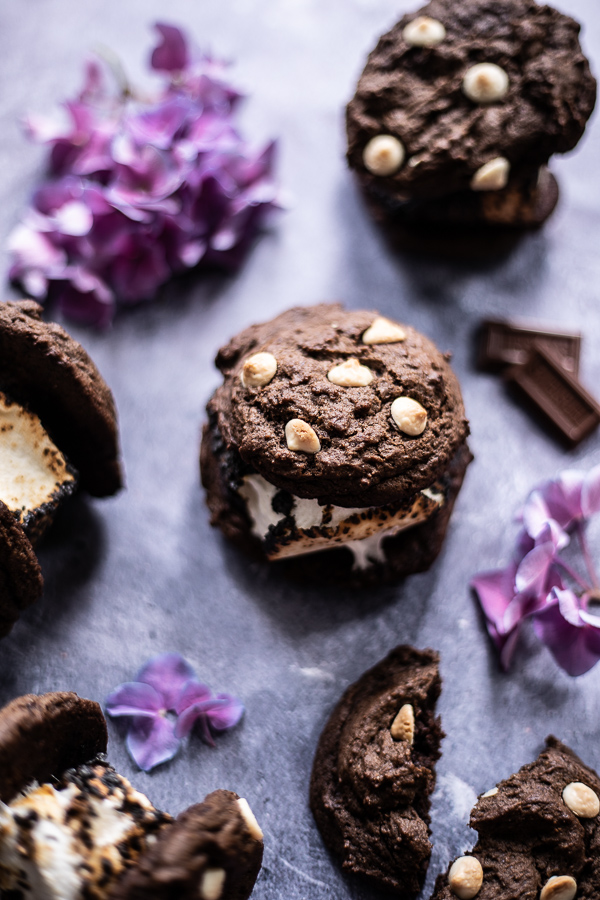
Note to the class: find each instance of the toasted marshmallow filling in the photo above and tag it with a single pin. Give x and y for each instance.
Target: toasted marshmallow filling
(33, 472)
(308, 526)
(73, 841)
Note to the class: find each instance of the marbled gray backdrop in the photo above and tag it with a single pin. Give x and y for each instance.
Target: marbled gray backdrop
(142, 573)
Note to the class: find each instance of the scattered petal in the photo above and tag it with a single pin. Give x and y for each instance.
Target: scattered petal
(152, 741)
(134, 699)
(168, 673)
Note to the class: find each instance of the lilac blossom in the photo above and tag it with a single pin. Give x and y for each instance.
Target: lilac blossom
(164, 704)
(540, 584)
(139, 190)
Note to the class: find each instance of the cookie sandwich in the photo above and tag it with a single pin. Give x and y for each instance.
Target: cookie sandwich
(456, 115)
(374, 772)
(539, 832)
(71, 826)
(58, 433)
(336, 445)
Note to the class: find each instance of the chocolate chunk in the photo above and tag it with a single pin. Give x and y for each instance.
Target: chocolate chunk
(503, 342)
(374, 773)
(556, 393)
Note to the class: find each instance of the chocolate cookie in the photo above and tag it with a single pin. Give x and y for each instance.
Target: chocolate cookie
(21, 582)
(45, 370)
(41, 736)
(458, 110)
(68, 820)
(373, 772)
(335, 430)
(213, 850)
(539, 835)
(58, 431)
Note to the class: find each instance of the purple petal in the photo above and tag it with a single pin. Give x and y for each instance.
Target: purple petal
(574, 648)
(563, 497)
(171, 55)
(193, 692)
(495, 590)
(168, 673)
(508, 647)
(535, 513)
(533, 569)
(227, 715)
(590, 494)
(133, 699)
(195, 713)
(152, 741)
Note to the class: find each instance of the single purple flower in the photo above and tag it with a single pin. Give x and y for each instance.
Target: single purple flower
(540, 584)
(163, 704)
(171, 55)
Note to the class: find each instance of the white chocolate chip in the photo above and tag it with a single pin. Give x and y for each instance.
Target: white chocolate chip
(382, 331)
(559, 887)
(581, 800)
(424, 32)
(492, 176)
(403, 726)
(350, 374)
(250, 819)
(409, 416)
(383, 155)
(465, 877)
(485, 83)
(491, 793)
(211, 884)
(299, 435)
(258, 370)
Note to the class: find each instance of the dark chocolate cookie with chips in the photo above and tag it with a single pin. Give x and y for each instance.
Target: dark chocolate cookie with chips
(213, 850)
(458, 110)
(58, 432)
(69, 820)
(338, 431)
(539, 835)
(373, 772)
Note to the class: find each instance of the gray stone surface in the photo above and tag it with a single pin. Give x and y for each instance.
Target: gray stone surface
(144, 573)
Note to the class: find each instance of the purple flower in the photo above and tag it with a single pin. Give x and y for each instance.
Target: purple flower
(141, 189)
(539, 584)
(163, 704)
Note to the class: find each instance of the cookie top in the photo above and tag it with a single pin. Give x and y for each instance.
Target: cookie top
(209, 851)
(373, 771)
(43, 735)
(47, 371)
(363, 457)
(21, 582)
(537, 825)
(415, 93)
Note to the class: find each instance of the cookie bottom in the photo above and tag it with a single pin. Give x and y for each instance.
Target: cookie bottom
(465, 225)
(401, 554)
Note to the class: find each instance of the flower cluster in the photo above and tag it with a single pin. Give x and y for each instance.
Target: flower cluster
(139, 190)
(540, 583)
(163, 704)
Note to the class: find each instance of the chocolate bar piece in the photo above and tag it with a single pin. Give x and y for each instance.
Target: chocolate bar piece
(504, 342)
(556, 393)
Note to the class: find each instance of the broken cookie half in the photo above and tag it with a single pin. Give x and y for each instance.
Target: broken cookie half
(539, 833)
(70, 826)
(58, 432)
(374, 772)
